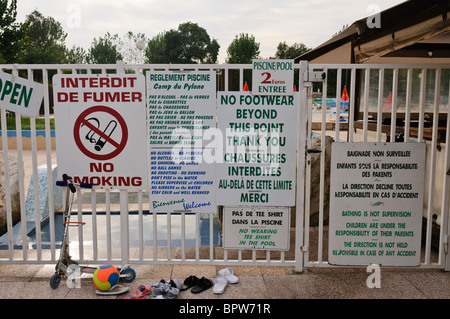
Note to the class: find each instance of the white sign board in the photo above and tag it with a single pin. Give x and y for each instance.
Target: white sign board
(20, 95)
(376, 203)
(182, 109)
(100, 129)
(273, 77)
(258, 154)
(256, 228)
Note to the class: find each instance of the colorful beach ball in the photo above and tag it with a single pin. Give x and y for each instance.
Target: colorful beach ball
(106, 277)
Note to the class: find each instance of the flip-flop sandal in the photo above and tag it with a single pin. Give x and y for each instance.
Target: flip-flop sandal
(220, 282)
(202, 285)
(115, 290)
(189, 282)
(228, 273)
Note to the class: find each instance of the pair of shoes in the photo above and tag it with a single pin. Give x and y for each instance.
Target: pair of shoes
(170, 288)
(226, 276)
(189, 282)
(142, 292)
(202, 285)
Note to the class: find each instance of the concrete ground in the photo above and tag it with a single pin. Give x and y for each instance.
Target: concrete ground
(19, 281)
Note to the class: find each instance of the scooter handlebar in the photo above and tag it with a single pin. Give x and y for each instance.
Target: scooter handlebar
(67, 182)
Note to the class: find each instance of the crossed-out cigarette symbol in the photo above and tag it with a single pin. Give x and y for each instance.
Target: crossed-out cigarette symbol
(95, 138)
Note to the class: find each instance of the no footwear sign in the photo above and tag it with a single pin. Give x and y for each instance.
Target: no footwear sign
(101, 129)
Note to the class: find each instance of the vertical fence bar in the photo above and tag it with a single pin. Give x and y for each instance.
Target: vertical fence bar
(48, 144)
(35, 178)
(141, 226)
(80, 221)
(322, 167)
(366, 103)
(169, 236)
(23, 216)
(183, 235)
(380, 103)
(20, 166)
(423, 86)
(394, 105)
(432, 165)
(301, 163)
(108, 224)
(197, 237)
(94, 224)
(408, 104)
(351, 116)
(7, 184)
(338, 104)
(445, 231)
(124, 227)
(211, 237)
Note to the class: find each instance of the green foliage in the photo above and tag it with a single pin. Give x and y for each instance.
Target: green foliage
(285, 51)
(155, 50)
(243, 49)
(11, 33)
(190, 43)
(104, 50)
(44, 40)
(25, 123)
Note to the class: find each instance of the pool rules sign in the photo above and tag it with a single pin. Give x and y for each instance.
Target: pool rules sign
(376, 203)
(101, 129)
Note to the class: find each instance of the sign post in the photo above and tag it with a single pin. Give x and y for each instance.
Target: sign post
(376, 203)
(101, 130)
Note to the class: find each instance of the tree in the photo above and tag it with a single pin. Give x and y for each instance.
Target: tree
(45, 40)
(285, 51)
(11, 33)
(104, 50)
(76, 55)
(155, 52)
(242, 50)
(190, 43)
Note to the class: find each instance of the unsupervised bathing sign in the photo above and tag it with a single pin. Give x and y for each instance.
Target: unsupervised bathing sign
(101, 129)
(376, 203)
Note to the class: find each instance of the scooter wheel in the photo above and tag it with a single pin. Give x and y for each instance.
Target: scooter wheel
(55, 281)
(128, 275)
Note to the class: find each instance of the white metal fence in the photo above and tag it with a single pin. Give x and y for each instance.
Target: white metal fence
(119, 228)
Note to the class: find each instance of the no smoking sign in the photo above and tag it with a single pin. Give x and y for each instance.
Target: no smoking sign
(100, 124)
(100, 133)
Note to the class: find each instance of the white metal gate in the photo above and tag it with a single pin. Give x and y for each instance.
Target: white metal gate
(119, 228)
(410, 107)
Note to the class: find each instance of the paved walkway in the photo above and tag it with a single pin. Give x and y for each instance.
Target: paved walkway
(255, 282)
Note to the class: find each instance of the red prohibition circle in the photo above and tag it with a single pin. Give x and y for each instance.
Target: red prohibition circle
(82, 119)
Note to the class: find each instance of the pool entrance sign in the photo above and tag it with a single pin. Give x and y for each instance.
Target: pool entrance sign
(273, 77)
(20, 95)
(376, 203)
(101, 130)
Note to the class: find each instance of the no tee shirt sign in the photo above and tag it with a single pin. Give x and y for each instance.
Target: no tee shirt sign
(101, 129)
